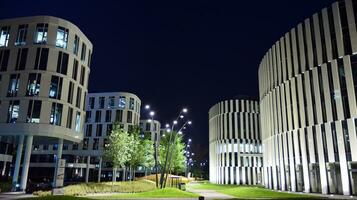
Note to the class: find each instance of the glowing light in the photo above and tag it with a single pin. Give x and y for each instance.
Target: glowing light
(184, 110)
(147, 107)
(152, 113)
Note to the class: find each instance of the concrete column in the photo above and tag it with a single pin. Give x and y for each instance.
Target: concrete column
(26, 163)
(58, 157)
(100, 168)
(20, 146)
(87, 171)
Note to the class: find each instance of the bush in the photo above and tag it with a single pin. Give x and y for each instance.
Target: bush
(5, 186)
(104, 187)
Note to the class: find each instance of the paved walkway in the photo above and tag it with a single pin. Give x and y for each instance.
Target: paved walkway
(14, 195)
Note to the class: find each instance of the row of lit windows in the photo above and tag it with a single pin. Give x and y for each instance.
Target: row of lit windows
(275, 60)
(41, 37)
(133, 105)
(108, 116)
(33, 87)
(34, 112)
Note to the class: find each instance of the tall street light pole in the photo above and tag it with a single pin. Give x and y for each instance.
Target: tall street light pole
(171, 153)
(163, 170)
(152, 130)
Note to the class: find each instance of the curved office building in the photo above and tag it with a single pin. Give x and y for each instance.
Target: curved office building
(235, 143)
(44, 71)
(307, 83)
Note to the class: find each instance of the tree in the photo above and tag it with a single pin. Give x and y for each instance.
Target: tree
(119, 149)
(177, 148)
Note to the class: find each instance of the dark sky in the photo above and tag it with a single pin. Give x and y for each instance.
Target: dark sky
(176, 53)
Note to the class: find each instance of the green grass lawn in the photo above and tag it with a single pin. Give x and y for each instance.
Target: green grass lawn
(247, 192)
(157, 193)
(58, 198)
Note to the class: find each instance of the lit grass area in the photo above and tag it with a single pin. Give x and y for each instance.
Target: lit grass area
(157, 193)
(152, 178)
(104, 187)
(57, 198)
(249, 192)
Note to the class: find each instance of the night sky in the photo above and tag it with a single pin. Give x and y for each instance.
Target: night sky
(176, 53)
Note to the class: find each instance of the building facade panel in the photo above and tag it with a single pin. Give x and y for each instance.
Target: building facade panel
(308, 118)
(235, 146)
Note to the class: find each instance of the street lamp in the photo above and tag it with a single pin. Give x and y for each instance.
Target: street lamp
(152, 130)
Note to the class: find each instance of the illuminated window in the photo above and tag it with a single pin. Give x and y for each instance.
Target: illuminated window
(13, 85)
(41, 33)
(78, 122)
(62, 37)
(33, 84)
(122, 102)
(21, 35)
(56, 114)
(13, 113)
(34, 111)
(56, 87)
(4, 36)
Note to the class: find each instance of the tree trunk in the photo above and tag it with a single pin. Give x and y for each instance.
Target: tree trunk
(123, 174)
(114, 178)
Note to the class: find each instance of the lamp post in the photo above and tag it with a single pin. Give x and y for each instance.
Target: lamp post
(152, 130)
(171, 137)
(187, 152)
(171, 153)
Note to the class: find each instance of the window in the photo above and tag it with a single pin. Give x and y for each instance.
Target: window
(75, 146)
(41, 58)
(76, 45)
(41, 33)
(85, 144)
(88, 116)
(62, 63)
(56, 114)
(33, 84)
(34, 111)
(56, 87)
(83, 52)
(70, 92)
(13, 113)
(13, 85)
(91, 102)
(4, 36)
(129, 118)
(21, 59)
(89, 58)
(89, 130)
(122, 102)
(109, 129)
(105, 142)
(62, 37)
(69, 118)
(75, 69)
(108, 116)
(79, 97)
(147, 127)
(131, 104)
(98, 130)
(45, 147)
(4, 59)
(101, 102)
(98, 115)
(111, 102)
(78, 122)
(21, 35)
(82, 75)
(119, 116)
(95, 143)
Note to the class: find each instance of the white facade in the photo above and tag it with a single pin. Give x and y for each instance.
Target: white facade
(235, 154)
(152, 127)
(102, 111)
(307, 85)
(44, 76)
